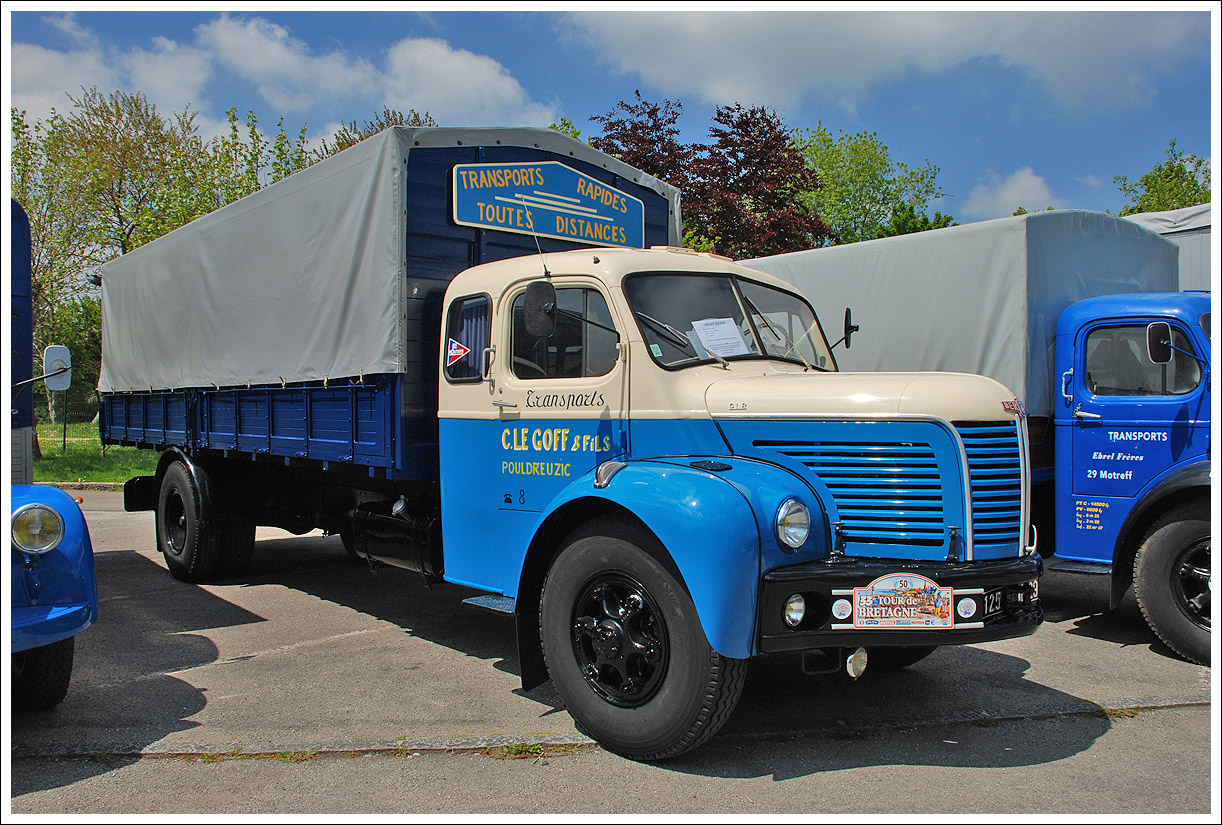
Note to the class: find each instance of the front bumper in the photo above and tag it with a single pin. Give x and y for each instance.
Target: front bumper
(951, 603)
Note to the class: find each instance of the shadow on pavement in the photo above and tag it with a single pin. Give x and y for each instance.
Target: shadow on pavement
(787, 724)
(146, 632)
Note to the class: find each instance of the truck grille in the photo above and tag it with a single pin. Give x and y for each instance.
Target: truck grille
(888, 493)
(995, 470)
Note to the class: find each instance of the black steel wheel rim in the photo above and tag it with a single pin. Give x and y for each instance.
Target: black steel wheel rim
(1190, 582)
(620, 640)
(175, 523)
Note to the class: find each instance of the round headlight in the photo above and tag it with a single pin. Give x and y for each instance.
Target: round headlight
(795, 610)
(792, 523)
(37, 528)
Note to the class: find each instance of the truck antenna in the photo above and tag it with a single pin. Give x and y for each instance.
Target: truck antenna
(530, 221)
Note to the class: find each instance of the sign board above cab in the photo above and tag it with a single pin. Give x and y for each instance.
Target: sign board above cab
(547, 199)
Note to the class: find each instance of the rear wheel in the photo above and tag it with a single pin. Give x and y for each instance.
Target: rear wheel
(199, 540)
(41, 675)
(625, 648)
(1171, 579)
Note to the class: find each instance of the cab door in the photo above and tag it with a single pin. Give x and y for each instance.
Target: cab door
(547, 410)
(1129, 421)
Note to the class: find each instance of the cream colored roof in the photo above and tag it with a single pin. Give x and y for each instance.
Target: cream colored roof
(610, 265)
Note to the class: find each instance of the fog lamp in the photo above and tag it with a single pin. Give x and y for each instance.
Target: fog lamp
(855, 662)
(795, 610)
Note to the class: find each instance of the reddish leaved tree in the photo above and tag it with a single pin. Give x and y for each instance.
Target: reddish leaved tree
(742, 196)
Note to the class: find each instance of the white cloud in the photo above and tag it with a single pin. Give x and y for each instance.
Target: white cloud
(42, 79)
(171, 75)
(997, 197)
(458, 87)
(1098, 59)
(287, 75)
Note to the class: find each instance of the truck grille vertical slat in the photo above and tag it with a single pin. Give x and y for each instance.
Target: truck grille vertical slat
(994, 466)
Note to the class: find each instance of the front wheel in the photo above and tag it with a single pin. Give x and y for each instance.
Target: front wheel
(625, 648)
(41, 675)
(1171, 579)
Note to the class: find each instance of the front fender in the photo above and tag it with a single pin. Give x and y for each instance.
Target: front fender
(712, 532)
(54, 595)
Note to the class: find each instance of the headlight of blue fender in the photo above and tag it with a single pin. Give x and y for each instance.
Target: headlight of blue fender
(792, 523)
(37, 528)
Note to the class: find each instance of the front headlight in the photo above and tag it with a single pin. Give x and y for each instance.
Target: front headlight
(792, 523)
(37, 528)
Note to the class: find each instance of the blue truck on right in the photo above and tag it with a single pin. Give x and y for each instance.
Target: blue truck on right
(1077, 312)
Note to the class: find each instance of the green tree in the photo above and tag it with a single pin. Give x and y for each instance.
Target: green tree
(905, 220)
(1179, 181)
(351, 133)
(62, 249)
(566, 127)
(117, 148)
(861, 188)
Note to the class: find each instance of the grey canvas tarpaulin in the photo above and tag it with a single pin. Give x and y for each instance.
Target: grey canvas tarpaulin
(980, 298)
(1190, 229)
(301, 281)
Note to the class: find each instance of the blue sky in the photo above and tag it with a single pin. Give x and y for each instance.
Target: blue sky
(1017, 105)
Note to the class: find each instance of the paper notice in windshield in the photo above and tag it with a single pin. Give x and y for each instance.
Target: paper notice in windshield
(721, 336)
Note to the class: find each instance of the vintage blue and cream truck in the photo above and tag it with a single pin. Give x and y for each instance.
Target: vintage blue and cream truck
(1079, 313)
(478, 355)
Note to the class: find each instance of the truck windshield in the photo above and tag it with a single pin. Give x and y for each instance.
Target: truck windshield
(693, 318)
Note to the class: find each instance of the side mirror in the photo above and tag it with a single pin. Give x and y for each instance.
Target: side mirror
(849, 327)
(57, 368)
(1158, 342)
(540, 309)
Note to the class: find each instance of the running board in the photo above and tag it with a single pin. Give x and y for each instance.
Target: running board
(1090, 568)
(489, 601)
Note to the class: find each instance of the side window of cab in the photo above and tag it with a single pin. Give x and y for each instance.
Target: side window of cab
(467, 336)
(583, 344)
(1117, 363)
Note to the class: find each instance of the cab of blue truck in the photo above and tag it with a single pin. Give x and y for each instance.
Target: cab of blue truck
(1078, 312)
(1133, 432)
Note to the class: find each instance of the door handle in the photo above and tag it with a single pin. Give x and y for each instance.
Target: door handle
(486, 358)
(1078, 413)
(1065, 376)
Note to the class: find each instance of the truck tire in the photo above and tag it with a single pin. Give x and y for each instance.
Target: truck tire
(1171, 577)
(625, 649)
(192, 549)
(237, 547)
(891, 659)
(41, 675)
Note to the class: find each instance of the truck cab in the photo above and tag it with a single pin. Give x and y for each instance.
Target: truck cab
(1134, 495)
(651, 455)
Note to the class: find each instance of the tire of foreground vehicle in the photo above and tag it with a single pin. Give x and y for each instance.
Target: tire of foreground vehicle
(625, 648)
(891, 659)
(1171, 578)
(41, 675)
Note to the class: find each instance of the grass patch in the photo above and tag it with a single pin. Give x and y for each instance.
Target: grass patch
(81, 457)
(521, 750)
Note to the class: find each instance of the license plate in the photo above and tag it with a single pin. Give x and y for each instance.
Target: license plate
(992, 602)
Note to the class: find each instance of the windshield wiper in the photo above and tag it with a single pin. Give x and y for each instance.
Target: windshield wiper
(680, 339)
(780, 336)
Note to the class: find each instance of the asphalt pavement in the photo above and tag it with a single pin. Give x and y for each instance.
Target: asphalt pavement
(315, 685)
